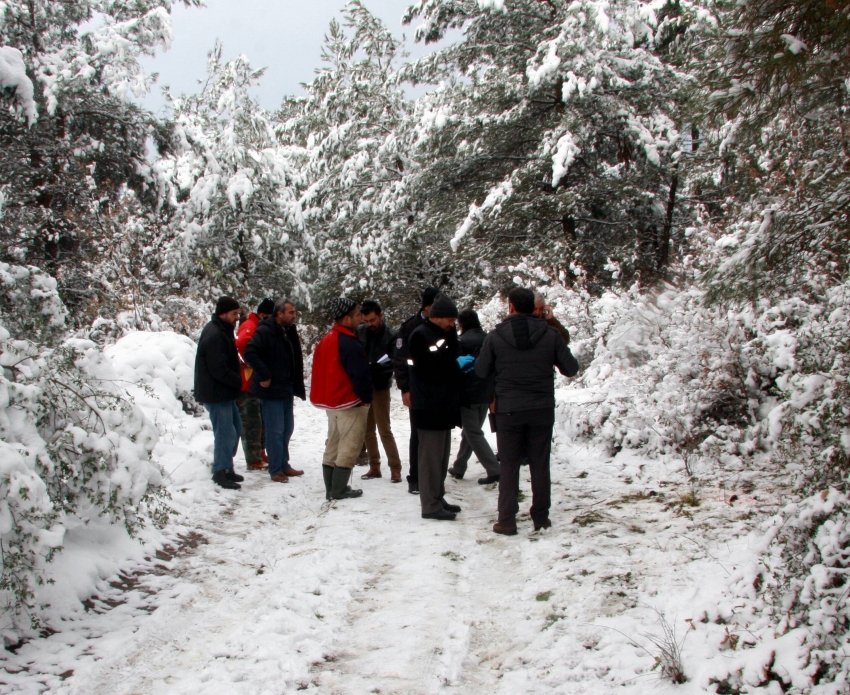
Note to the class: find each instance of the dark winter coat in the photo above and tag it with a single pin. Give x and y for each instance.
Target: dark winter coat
(521, 352)
(435, 379)
(476, 389)
(379, 343)
(402, 351)
(218, 377)
(298, 364)
(271, 355)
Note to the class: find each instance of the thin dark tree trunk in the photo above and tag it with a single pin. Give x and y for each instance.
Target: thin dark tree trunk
(666, 230)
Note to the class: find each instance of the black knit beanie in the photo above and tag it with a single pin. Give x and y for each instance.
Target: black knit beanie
(266, 306)
(443, 308)
(428, 295)
(225, 304)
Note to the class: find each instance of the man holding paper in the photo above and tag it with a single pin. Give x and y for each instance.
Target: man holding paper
(379, 340)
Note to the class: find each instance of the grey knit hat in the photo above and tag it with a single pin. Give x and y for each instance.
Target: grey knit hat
(341, 306)
(443, 307)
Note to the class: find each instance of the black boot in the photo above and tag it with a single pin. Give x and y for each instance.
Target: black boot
(221, 479)
(440, 515)
(233, 476)
(489, 480)
(339, 488)
(412, 486)
(454, 508)
(328, 475)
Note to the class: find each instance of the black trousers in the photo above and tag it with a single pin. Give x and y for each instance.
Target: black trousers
(413, 473)
(527, 433)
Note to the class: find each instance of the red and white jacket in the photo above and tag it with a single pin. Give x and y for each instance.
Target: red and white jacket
(341, 377)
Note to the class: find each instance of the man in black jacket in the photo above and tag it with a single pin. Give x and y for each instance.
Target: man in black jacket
(379, 340)
(274, 353)
(435, 403)
(522, 351)
(218, 383)
(402, 379)
(475, 404)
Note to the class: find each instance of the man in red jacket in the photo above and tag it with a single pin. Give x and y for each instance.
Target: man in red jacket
(250, 408)
(342, 385)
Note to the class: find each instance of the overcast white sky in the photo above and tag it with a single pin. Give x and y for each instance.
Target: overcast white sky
(284, 36)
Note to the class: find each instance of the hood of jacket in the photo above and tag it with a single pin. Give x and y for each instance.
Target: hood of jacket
(522, 331)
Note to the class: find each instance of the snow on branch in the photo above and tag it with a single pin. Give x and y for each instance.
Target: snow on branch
(14, 81)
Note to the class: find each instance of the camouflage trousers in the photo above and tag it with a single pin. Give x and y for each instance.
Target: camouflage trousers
(253, 432)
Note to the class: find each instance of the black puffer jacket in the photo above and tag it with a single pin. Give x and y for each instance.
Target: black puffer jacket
(379, 343)
(402, 351)
(476, 389)
(218, 377)
(522, 351)
(271, 355)
(435, 382)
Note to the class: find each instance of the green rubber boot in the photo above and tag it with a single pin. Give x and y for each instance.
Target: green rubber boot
(340, 489)
(328, 475)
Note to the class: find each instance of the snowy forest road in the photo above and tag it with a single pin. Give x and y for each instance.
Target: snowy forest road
(288, 594)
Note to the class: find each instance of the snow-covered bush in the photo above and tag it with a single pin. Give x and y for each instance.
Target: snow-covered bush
(72, 443)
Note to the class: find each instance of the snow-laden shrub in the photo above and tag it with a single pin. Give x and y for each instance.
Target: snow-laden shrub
(791, 619)
(764, 384)
(72, 443)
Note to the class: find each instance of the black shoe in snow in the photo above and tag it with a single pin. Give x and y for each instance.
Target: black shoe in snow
(454, 474)
(453, 508)
(413, 486)
(222, 480)
(233, 476)
(543, 523)
(489, 480)
(441, 515)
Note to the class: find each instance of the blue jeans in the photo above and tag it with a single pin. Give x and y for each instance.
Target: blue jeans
(279, 421)
(227, 429)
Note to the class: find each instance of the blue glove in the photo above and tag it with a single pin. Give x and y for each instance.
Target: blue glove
(466, 363)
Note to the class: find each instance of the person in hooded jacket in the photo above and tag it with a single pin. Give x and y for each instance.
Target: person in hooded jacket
(217, 385)
(274, 353)
(402, 379)
(435, 383)
(522, 352)
(476, 398)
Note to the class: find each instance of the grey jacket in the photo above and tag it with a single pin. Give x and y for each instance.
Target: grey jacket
(522, 351)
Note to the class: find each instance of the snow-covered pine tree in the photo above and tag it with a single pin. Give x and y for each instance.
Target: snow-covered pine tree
(553, 139)
(69, 160)
(353, 124)
(774, 91)
(233, 186)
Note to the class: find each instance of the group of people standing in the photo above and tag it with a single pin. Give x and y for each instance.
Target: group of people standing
(247, 381)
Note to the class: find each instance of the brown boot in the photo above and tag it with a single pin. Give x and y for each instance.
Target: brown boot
(265, 457)
(505, 530)
(395, 476)
(280, 478)
(258, 466)
(372, 473)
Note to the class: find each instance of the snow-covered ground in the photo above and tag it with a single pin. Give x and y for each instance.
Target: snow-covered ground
(268, 590)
